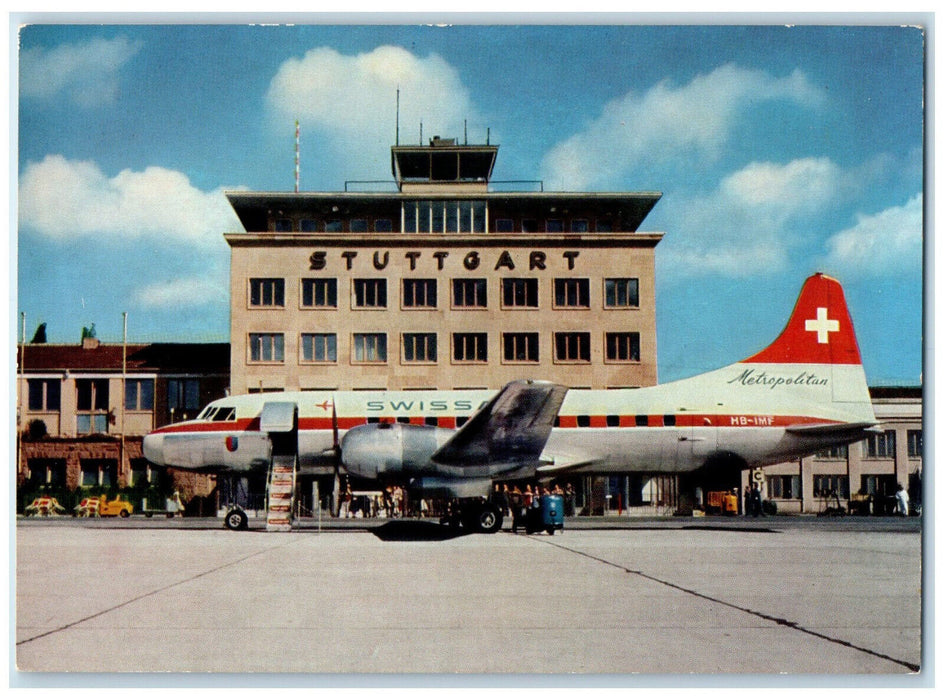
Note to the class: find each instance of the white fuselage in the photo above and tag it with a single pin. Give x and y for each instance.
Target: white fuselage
(744, 411)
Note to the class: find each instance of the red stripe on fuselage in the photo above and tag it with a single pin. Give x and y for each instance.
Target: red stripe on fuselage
(596, 421)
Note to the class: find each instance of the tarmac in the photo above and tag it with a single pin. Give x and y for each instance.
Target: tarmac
(653, 597)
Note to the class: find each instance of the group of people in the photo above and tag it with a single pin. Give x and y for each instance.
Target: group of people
(753, 502)
(509, 499)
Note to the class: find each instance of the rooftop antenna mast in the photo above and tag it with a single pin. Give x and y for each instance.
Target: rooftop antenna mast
(296, 156)
(397, 142)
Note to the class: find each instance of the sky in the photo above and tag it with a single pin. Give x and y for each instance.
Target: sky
(780, 151)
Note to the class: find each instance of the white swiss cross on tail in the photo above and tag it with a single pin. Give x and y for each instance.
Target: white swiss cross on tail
(819, 331)
(822, 325)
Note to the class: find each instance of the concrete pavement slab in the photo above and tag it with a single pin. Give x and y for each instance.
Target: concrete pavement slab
(614, 601)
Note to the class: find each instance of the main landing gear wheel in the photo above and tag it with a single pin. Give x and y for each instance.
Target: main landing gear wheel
(486, 519)
(236, 519)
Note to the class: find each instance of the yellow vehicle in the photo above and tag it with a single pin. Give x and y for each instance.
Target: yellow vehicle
(722, 503)
(118, 507)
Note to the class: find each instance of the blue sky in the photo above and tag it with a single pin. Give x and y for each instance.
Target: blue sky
(780, 152)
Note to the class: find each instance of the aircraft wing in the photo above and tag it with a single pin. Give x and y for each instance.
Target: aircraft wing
(511, 429)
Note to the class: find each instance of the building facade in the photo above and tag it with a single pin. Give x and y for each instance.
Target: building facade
(448, 281)
(82, 411)
(862, 477)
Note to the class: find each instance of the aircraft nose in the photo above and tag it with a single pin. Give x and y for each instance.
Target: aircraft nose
(153, 449)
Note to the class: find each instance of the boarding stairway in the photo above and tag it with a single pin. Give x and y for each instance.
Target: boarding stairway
(282, 472)
(280, 420)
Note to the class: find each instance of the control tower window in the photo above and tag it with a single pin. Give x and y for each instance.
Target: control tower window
(444, 216)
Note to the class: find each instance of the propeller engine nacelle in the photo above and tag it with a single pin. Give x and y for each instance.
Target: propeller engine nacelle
(379, 450)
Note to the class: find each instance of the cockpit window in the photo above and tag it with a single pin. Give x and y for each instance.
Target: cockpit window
(218, 413)
(226, 413)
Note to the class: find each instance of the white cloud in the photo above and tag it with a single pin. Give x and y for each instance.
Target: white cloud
(804, 184)
(87, 73)
(186, 292)
(63, 199)
(888, 243)
(751, 220)
(355, 97)
(665, 122)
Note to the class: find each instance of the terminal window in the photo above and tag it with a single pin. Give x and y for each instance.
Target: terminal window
(183, 395)
(572, 293)
(787, 486)
(622, 292)
(319, 347)
(266, 347)
(370, 347)
(419, 293)
(880, 445)
(320, 293)
(44, 394)
(266, 292)
(419, 347)
(835, 452)
(139, 394)
(520, 347)
(469, 293)
(520, 292)
(622, 347)
(470, 347)
(572, 347)
(825, 485)
(370, 293)
(91, 406)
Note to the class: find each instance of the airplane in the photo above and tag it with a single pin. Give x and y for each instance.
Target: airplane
(805, 392)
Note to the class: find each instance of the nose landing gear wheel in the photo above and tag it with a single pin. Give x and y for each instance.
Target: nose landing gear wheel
(236, 520)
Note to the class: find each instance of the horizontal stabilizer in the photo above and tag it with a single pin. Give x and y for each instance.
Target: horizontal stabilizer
(510, 429)
(827, 428)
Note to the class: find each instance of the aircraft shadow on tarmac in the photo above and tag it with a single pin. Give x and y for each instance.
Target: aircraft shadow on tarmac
(416, 531)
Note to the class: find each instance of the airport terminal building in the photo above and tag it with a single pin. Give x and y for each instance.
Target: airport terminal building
(450, 280)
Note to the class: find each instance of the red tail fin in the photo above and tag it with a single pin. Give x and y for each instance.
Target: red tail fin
(819, 330)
